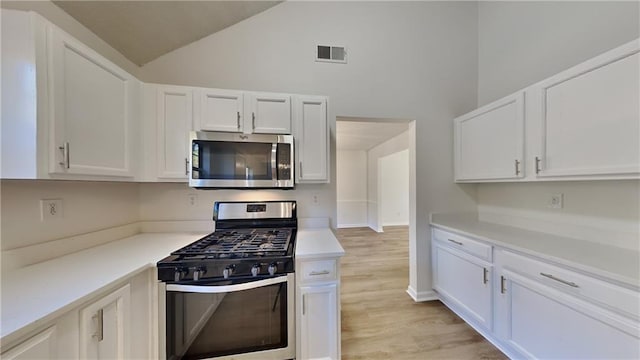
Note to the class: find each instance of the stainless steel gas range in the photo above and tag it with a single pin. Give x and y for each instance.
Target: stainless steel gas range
(230, 295)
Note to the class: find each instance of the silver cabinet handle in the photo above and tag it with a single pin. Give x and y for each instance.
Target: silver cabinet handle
(238, 112)
(253, 120)
(485, 274)
(99, 317)
(456, 242)
(316, 273)
(300, 168)
(186, 166)
(304, 304)
(502, 283)
(517, 167)
(65, 155)
(570, 283)
(538, 169)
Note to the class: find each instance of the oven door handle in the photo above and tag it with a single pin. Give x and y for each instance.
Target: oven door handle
(225, 288)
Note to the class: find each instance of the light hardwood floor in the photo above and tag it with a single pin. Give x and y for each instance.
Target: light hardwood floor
(381, 321)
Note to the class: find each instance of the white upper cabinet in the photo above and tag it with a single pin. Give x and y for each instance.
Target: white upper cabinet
(581, 124)
(489, 142)
(588, 118)
(174, 121)
(219, 110)
(311, 133)
(243, 112)
(93, 107)
(269, 113)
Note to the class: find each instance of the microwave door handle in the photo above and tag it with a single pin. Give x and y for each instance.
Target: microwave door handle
(274, 165)
(225, 288)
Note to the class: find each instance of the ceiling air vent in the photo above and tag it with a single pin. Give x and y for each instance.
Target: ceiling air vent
(335, 54)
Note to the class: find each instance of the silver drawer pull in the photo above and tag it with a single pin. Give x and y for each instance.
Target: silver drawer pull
(323, 272)
(456, 242)
(570, 283)
(99, 318)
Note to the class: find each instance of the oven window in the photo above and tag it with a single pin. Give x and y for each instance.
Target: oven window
(217, 160)
(202, 326)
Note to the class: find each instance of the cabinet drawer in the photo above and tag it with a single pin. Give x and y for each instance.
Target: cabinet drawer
(473, 247)
(614, 297)
(319, 270)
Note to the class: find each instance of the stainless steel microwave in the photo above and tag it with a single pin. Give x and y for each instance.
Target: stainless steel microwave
(241, 161)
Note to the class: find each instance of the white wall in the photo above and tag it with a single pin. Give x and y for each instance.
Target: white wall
(374, 189)
(394, 188)
(170, 201)
(351, 192)
(407, 60)
(87, 206)
(521, 43)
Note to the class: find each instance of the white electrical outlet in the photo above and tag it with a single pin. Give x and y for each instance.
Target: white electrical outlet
(315, 199)
(556, 201)
(50, 209)
(192, 199)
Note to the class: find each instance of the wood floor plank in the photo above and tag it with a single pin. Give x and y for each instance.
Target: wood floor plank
(381, 321)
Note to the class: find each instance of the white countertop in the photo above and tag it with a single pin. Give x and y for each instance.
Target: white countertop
(316, 243)
(611, 262)
(38, 293)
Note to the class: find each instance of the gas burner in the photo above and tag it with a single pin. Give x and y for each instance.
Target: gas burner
(241, 243)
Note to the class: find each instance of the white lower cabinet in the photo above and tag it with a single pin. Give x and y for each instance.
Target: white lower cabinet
(318, 323)
(547, 314)
(104, 327)
(318, 309)
(40, 346)
(535, 309)
(118, 324)
(463, 282)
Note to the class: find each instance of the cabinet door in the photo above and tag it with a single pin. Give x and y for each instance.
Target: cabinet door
(489, 142)
(174, 121)
(319, 322)
(312, 139)
(93, 110)
(542, 323)
(41, 346)
(104, 327)
(268, 113)
(589, 118)
(464, 283)
(219, 110)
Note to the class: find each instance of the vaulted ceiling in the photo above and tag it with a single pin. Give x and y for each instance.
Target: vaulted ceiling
(144, 30)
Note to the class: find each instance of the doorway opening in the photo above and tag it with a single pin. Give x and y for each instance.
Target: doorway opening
(374, 171)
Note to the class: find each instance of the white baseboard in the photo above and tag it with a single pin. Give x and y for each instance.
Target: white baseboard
(348, 226)
(422, 295)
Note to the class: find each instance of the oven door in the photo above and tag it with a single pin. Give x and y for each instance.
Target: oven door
(250, 320)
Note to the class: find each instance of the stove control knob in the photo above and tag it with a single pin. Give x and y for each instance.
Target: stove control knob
(198, 272)
(273, 267)
(228, 271)
(179, 274)
(255, 270)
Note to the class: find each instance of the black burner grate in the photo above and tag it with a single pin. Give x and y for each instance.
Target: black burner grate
(240, 243)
